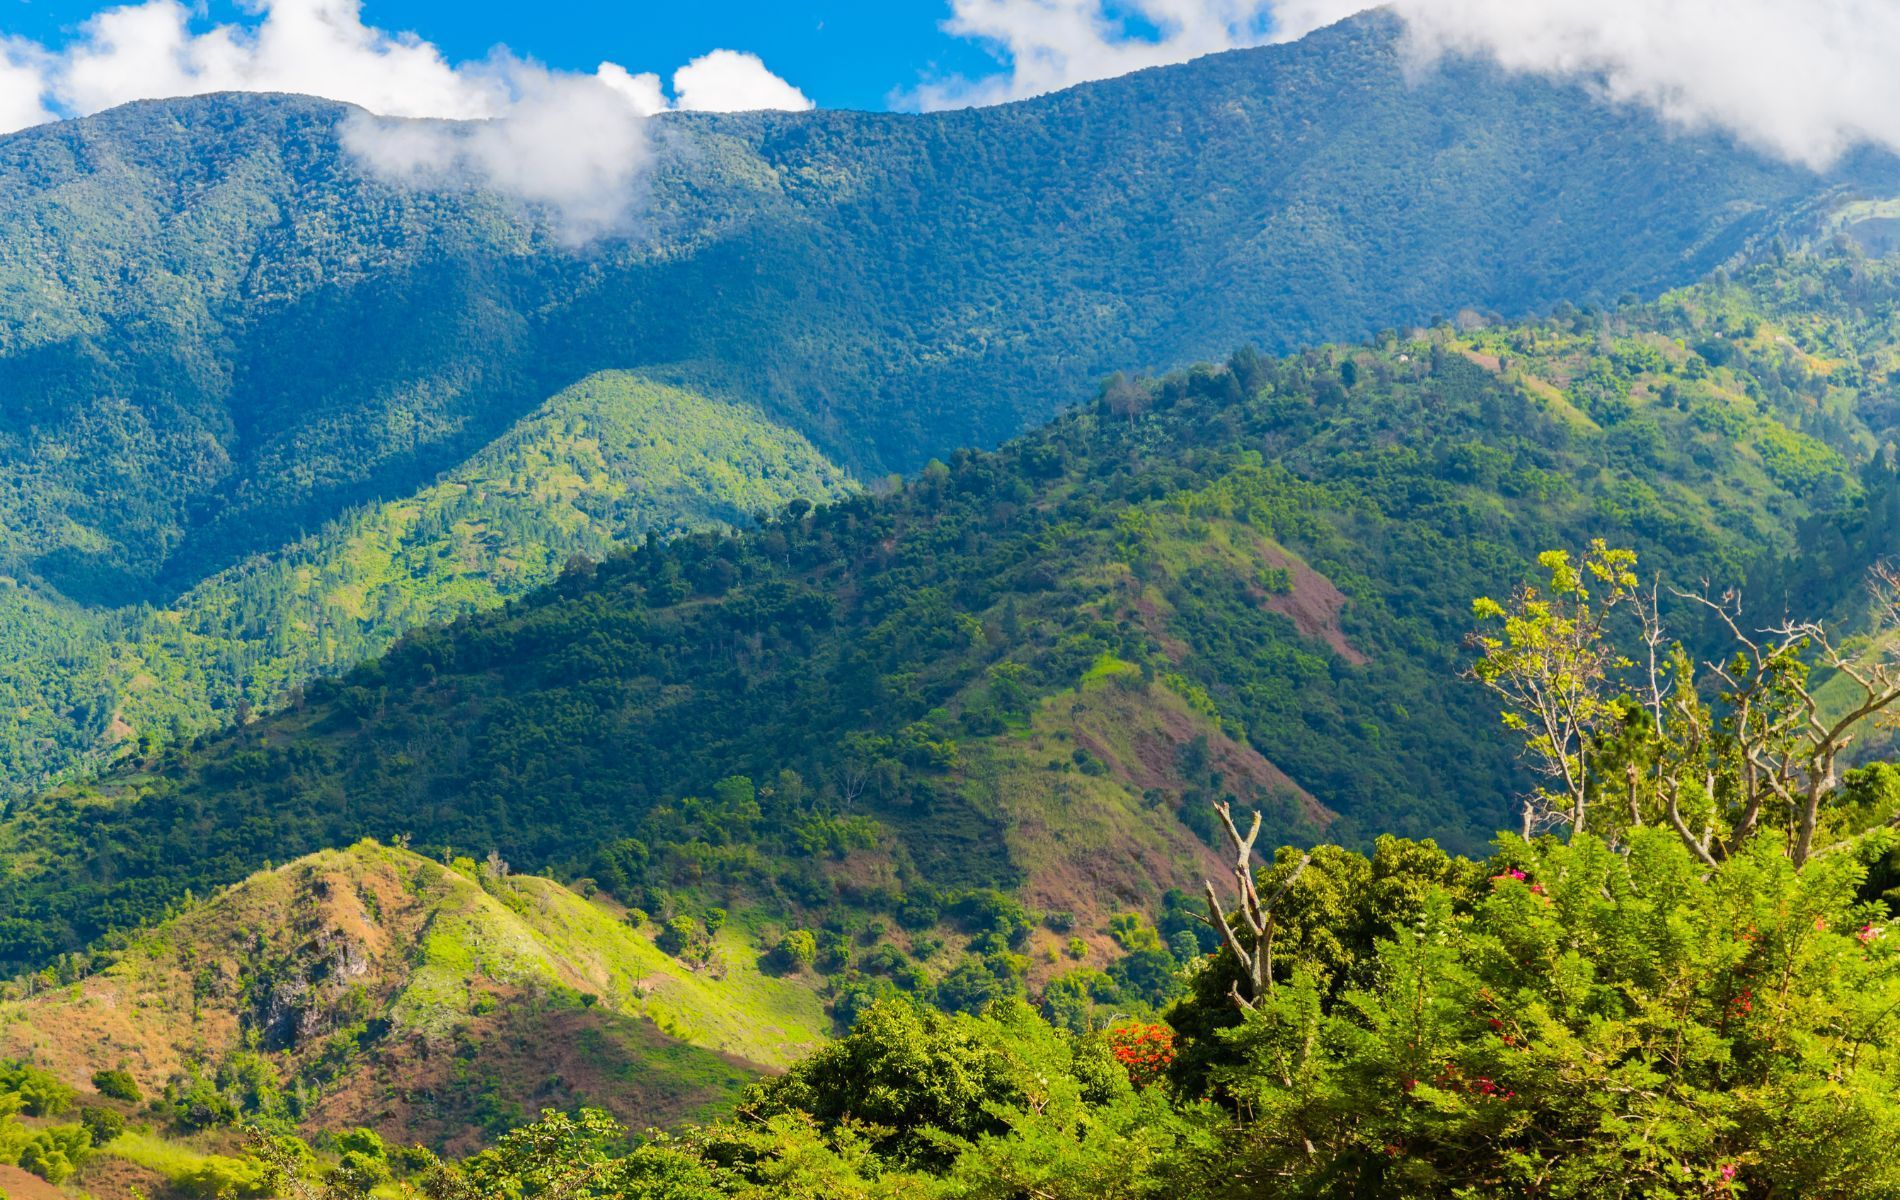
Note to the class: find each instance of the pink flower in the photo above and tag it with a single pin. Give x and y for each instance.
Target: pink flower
(1820, 923)
(1868, 933)
(1728, 1172)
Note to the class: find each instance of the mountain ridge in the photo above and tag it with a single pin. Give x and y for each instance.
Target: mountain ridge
(222, 335)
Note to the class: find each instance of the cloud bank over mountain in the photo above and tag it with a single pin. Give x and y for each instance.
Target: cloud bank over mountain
(572, 142)
(1805, 81)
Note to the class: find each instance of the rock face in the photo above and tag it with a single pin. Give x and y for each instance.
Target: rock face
(310, 994)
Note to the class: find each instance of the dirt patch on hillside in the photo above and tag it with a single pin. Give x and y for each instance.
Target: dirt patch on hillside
(1158, 752)
(1489, 362)
(108, 1178)
(524, 1056)
(1147, 612)
(1313, 603)
(1096, 840)
(16, 1184)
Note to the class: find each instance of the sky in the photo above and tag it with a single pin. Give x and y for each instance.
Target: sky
(840, 53)
(553, 96)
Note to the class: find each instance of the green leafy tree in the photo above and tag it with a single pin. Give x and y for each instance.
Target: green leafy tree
(1555, 668)
(1637, 741)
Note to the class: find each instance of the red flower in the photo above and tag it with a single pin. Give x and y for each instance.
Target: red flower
(1144, 1051)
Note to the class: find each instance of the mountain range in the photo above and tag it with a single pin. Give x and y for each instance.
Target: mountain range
(228, 343)
(448, 672)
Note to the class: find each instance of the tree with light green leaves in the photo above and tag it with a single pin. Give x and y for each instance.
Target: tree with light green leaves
(1627, 730)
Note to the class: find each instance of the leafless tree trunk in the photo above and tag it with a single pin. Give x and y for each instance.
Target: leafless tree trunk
(1255, 957)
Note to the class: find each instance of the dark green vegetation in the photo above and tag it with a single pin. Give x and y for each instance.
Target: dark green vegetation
(217, 336)
(1034, 668)
(1568, 1020)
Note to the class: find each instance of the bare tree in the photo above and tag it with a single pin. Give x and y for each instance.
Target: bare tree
(1126, 396)
(1255, 950)
(1785, 746)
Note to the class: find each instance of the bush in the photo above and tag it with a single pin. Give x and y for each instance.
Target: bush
(219, 1178)
(53, 1153)
(103, 1124)
(41, 1093)
(361, 1141)
(834, 952)
(116, 1085)
(796, 950)
(683, 937)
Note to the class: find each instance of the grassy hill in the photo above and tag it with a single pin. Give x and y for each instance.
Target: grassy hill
(370, 986)
(1032, 669)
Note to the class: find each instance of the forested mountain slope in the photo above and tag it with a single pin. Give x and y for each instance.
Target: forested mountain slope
(218, 334)
(1031, 669)
(214, 318)
(613, 458)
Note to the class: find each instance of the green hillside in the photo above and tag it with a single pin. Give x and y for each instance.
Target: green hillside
(226, 348)
(614, 458)
(218, 334)
(369, 986)
(1032, 669)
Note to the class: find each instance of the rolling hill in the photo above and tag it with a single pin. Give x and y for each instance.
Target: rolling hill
(438, 1004)
(613, 459)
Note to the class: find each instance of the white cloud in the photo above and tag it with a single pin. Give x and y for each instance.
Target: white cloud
(574, 143)
(320, 47)
(728, 81)
(643, 91)
(22, 85)
(1051, 44)
(1805, 79)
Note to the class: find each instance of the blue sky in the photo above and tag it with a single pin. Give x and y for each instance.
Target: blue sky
(841, 53)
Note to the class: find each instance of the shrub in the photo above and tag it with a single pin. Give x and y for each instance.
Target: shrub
(41, 1093)
(219, 1178)
(116, 1085)
(103, 1124)
(796, 949)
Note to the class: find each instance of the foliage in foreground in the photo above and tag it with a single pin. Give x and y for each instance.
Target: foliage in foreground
(1563, 1020)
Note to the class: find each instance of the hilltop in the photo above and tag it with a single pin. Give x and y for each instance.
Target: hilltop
(439, 1004)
